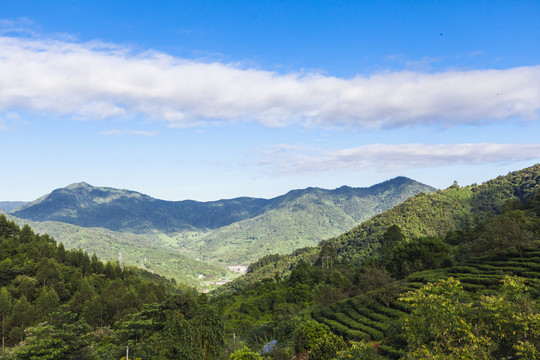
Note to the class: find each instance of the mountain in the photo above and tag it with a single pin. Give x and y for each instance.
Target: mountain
(301, 218)
(147, 251)
(434, 214)
(234, 231)
(123, 210)
(10, 205)
(405, 281)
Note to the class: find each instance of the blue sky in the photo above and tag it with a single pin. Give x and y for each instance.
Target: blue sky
(211, 99)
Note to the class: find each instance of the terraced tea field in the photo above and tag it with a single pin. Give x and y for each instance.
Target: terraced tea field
(367, 317)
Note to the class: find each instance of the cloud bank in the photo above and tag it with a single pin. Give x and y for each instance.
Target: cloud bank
(103, 81)
(283, 160)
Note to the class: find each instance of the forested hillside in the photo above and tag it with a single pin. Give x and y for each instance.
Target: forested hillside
(10, 205)
(153, 252)
(465, 286)
(300, 218)
(59, 304)
(168, 236)
(123, 210)
(432, 214)
(411, 293)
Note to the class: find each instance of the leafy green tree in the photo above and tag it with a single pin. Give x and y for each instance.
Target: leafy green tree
(377, 278)
(439, 325)
(8, 228)
(26, 285)
(85, 292)
(327, 255)
(358, 350)
(245, 354)
(391, 237)
(446, 323)
(48, 272)
(23, 315)
(511, 230)
(96, 266)
(5, 308)
(418, 254)
(47, 302)
(210, 325)
(26, 235)
(66, 338)
(317, 340)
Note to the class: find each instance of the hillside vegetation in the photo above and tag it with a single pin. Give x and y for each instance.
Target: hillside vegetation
(60, 304)
(152, 252)
(170, 235)
(457, 279)
(469, 290)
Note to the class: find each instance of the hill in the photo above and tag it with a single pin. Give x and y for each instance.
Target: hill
(58, 304)
(146, 251)
(129, 211)
(10, 205)
(229, 232)
(432, 214)
(454, 274)
(298, 219)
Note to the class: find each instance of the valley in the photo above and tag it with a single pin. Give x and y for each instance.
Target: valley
(383, 290)
(196, 242)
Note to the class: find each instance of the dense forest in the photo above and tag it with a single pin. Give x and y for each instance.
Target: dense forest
(449, 275)
(58, 304)
(456, 269)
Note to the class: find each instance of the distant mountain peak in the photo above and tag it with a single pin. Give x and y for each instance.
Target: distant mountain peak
(82, 184)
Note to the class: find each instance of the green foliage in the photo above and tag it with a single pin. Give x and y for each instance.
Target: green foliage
(358, 350)
(440, 212)
(317, 340)
(418, 254)
(170, 235)
(245, 354)
(58, 304)
(446, 322)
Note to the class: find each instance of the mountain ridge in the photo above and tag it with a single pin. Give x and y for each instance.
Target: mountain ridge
(124, 210)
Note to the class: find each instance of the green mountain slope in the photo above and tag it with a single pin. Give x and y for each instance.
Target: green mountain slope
(229, 232)
(300, 218)
(421, 215)
(151, 252)
(10, 205)
(442, 211)
(123, 210)
(478, 237)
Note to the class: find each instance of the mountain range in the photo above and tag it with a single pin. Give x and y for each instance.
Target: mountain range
(165, 234)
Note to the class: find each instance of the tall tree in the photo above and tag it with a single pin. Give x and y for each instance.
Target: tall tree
(5, 309)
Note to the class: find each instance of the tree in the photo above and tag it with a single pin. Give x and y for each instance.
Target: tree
(327, 255)
(22, 316)
(446, 323)
(391, 237)
(511, 230)
(245, 354)
(5, 309)
(47, 302)
(418, 254)
(378, 279)
(48, 272)
(211, 327)
(66, 338)
(317, 340)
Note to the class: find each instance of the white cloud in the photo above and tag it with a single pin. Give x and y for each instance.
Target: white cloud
(102, 81)
(117, 132)
(396, 157)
